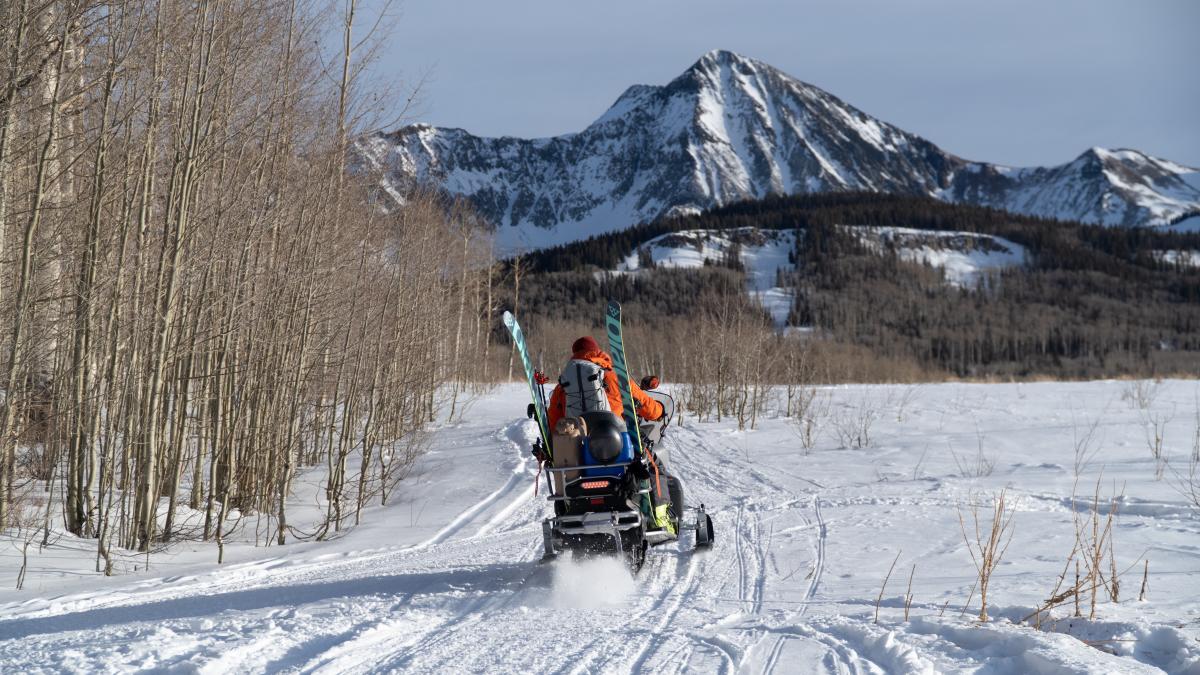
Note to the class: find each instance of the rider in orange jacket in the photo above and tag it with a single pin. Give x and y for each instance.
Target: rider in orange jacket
(585, 348)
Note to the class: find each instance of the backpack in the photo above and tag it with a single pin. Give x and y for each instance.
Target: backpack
(583, 385)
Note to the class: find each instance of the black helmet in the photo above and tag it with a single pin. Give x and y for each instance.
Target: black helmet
(604, 437)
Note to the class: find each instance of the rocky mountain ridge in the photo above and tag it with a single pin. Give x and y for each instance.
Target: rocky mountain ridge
(732, 128)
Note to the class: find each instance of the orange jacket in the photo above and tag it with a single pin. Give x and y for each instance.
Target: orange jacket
(647, 407)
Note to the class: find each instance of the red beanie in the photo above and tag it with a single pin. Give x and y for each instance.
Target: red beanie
(584, 345)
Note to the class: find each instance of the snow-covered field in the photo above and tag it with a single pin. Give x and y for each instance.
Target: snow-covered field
(446, 579)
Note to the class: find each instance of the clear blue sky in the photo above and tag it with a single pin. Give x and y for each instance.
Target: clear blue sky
(1021, 82)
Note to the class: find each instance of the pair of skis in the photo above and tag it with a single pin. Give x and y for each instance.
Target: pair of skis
(616, 347)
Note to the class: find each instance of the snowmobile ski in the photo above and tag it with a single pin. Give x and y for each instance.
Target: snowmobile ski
(704, 528)
(539, 404)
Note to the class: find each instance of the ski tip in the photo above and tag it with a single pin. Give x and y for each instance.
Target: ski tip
(509, 319)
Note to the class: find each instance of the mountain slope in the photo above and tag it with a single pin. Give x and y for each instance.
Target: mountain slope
(732, 128)
(1106, 187)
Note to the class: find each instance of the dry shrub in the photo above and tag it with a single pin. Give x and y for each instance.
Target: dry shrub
(1187, 481)
(1154, 428)
(809, 415)
(987, 541)
(980, 465)
(1092, 556)
(853, 422)
(1085, 445)
(1140, 394)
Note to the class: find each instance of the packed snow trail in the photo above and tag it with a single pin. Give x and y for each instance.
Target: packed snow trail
(447, 580)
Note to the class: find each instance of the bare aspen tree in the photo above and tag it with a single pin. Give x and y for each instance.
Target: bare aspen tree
(44, 163)
(203, 300)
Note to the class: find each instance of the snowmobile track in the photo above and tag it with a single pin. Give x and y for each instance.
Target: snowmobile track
(457, 628)
(658, 635)
(819, 560)
(519, 475)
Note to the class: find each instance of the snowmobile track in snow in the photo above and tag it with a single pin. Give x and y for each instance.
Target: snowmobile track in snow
(519, 476)
(819, 560)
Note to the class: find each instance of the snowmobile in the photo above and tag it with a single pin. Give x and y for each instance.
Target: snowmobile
(619, 500)
(613, 500)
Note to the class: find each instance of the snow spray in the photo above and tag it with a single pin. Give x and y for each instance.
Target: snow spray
(591, 583)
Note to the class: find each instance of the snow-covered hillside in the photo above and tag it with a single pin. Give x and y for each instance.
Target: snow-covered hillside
(763, 253)
(964, 256)
(1182, 258)
(446, 579)
(732, 128)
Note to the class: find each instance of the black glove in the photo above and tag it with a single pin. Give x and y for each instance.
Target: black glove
(530, 411)
(539, 451)
(639, 470)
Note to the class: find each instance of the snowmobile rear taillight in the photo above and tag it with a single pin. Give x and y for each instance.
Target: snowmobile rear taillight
(594, 484)
(597, 500)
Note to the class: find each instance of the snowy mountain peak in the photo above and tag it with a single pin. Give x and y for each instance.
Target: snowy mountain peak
(731, 128)
(720, 56)
(720, 59)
